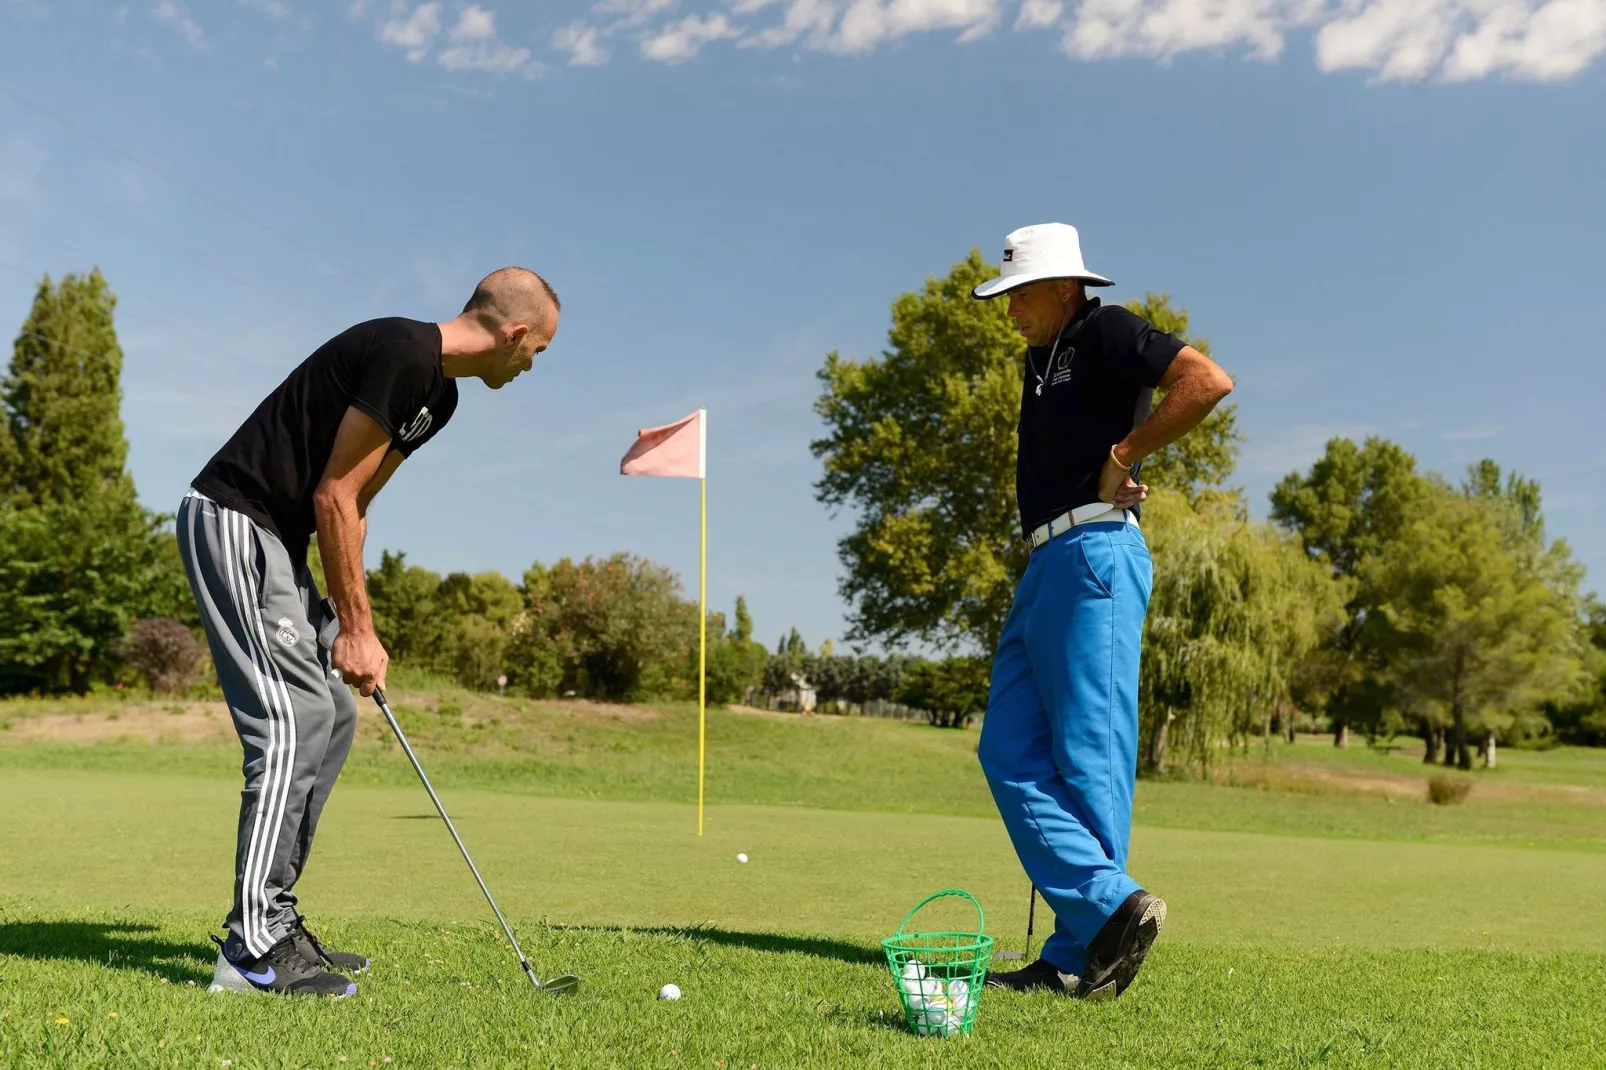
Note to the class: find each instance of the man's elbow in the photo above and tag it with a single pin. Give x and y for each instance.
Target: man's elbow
(331, 502)
(1219, 385)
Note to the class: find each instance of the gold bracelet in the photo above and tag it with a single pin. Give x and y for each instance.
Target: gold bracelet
(1117, 460)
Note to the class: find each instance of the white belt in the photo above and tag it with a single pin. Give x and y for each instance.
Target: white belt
(1091, 513)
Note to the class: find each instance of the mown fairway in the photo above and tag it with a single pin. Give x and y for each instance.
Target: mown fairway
(1336, 921)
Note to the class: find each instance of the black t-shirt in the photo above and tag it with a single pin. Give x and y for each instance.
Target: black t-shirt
(1105, 363)
(387, 368)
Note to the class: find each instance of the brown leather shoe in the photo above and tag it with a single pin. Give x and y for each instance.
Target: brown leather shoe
(1040, 974)
(1118, 951)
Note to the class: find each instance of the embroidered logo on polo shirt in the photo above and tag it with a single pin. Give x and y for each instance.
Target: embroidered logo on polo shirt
(1063, 364)
(417, 426)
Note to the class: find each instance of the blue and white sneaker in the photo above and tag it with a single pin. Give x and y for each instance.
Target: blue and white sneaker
(282, 969)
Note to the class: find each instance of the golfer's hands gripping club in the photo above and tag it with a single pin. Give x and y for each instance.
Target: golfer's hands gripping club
(1117, 487)
(360, 660)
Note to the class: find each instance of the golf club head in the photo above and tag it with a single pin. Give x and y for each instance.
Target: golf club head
(560, 985)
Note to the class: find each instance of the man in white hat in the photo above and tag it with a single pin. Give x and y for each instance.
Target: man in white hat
(1059, 742)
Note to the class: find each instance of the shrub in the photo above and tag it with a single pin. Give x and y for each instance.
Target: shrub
(164, 652)
(1448, 790)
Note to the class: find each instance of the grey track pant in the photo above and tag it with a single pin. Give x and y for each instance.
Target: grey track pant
(269, 631)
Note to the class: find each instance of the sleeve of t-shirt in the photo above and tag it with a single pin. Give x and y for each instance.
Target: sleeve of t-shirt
(394, 390)
(1137, 349)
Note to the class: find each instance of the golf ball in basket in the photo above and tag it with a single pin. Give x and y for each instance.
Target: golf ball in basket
(670, 991)
(741, 858)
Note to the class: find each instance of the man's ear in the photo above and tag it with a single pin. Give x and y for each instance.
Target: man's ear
(513, 335)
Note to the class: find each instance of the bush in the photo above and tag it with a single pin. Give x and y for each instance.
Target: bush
(617, 629)
(1448, 790)
(164, 652)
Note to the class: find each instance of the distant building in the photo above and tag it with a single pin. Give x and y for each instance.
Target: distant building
(800, 697)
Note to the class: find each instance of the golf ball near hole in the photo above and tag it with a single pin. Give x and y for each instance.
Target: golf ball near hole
(741, 858)
(669, 992)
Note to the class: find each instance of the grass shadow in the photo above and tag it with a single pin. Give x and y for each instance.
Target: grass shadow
(775, 943)
(114, 945)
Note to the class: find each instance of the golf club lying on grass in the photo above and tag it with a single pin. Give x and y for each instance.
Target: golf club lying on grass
(568, 982)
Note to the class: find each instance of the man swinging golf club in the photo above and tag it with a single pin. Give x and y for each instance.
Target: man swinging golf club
(309, 460)
(1059, 742)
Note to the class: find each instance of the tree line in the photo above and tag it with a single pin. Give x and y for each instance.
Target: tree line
(92, 592)
(1377, 598)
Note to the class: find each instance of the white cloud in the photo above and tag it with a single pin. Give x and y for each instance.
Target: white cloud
(171, 12)
(681, 40)
(1458, 40)
(1037, 14)
(582, 43)
(415, 33)
(474, 47)
(1439, 40)
(474, 23)
(1164, 28)
(868, 23)
(809, 20)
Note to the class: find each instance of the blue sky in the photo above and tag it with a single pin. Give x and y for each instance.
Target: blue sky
(1386, 215)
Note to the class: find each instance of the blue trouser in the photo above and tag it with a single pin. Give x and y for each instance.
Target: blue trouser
(1060, 740)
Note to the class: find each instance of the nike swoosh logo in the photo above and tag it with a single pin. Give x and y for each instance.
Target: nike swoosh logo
(259, 978)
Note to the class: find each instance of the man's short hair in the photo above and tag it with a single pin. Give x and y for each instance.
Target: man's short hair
(513, 295)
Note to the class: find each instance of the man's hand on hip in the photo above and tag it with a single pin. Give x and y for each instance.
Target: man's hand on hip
(1117, 488)
(361, 660)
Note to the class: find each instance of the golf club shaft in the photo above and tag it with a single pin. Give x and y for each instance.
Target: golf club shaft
(1031, 919)
(401, 737)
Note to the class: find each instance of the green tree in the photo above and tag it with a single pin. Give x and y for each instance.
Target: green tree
(74, 576)
(1351, 505)
(616, 628)
(408, 617)
(921, 444)
(80, 560)
(1486, 633)
(735, 660)
(951, 691)
(63, 432)
(1235, 608)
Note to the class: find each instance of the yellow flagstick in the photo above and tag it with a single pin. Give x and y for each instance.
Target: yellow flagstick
(702, 631)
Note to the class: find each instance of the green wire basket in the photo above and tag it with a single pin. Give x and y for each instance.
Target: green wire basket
(939, 975)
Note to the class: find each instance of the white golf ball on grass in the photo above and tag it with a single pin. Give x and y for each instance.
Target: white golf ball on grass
(742, 858)
(669, 991)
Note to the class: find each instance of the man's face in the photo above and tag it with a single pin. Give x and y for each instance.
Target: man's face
(1038, 309)
(519, 352)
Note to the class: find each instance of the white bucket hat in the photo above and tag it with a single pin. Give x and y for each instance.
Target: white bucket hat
(1042, 251)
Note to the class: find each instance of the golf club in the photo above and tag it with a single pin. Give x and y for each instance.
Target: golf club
(568, 982)
(1031, 919)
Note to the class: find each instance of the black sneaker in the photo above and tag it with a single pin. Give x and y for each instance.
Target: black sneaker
(282, 969)
(1118, 951)
(1040, 974)
(313, 950)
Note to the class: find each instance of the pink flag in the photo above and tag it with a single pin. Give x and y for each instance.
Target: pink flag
(677, 449)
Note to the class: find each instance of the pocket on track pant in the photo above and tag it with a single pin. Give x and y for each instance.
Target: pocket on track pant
(267, 626)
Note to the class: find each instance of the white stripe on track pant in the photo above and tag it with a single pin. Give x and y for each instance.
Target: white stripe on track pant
(269, 631)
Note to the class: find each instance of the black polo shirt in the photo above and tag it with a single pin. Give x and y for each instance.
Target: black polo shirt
(387, 368)
(1101, 372)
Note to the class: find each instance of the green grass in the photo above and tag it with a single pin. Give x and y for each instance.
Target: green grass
(648, 754)
(757, 999)
(1316, 926)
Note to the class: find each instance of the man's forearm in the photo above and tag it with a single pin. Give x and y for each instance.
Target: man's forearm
(1183, 408)
(342, 526)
